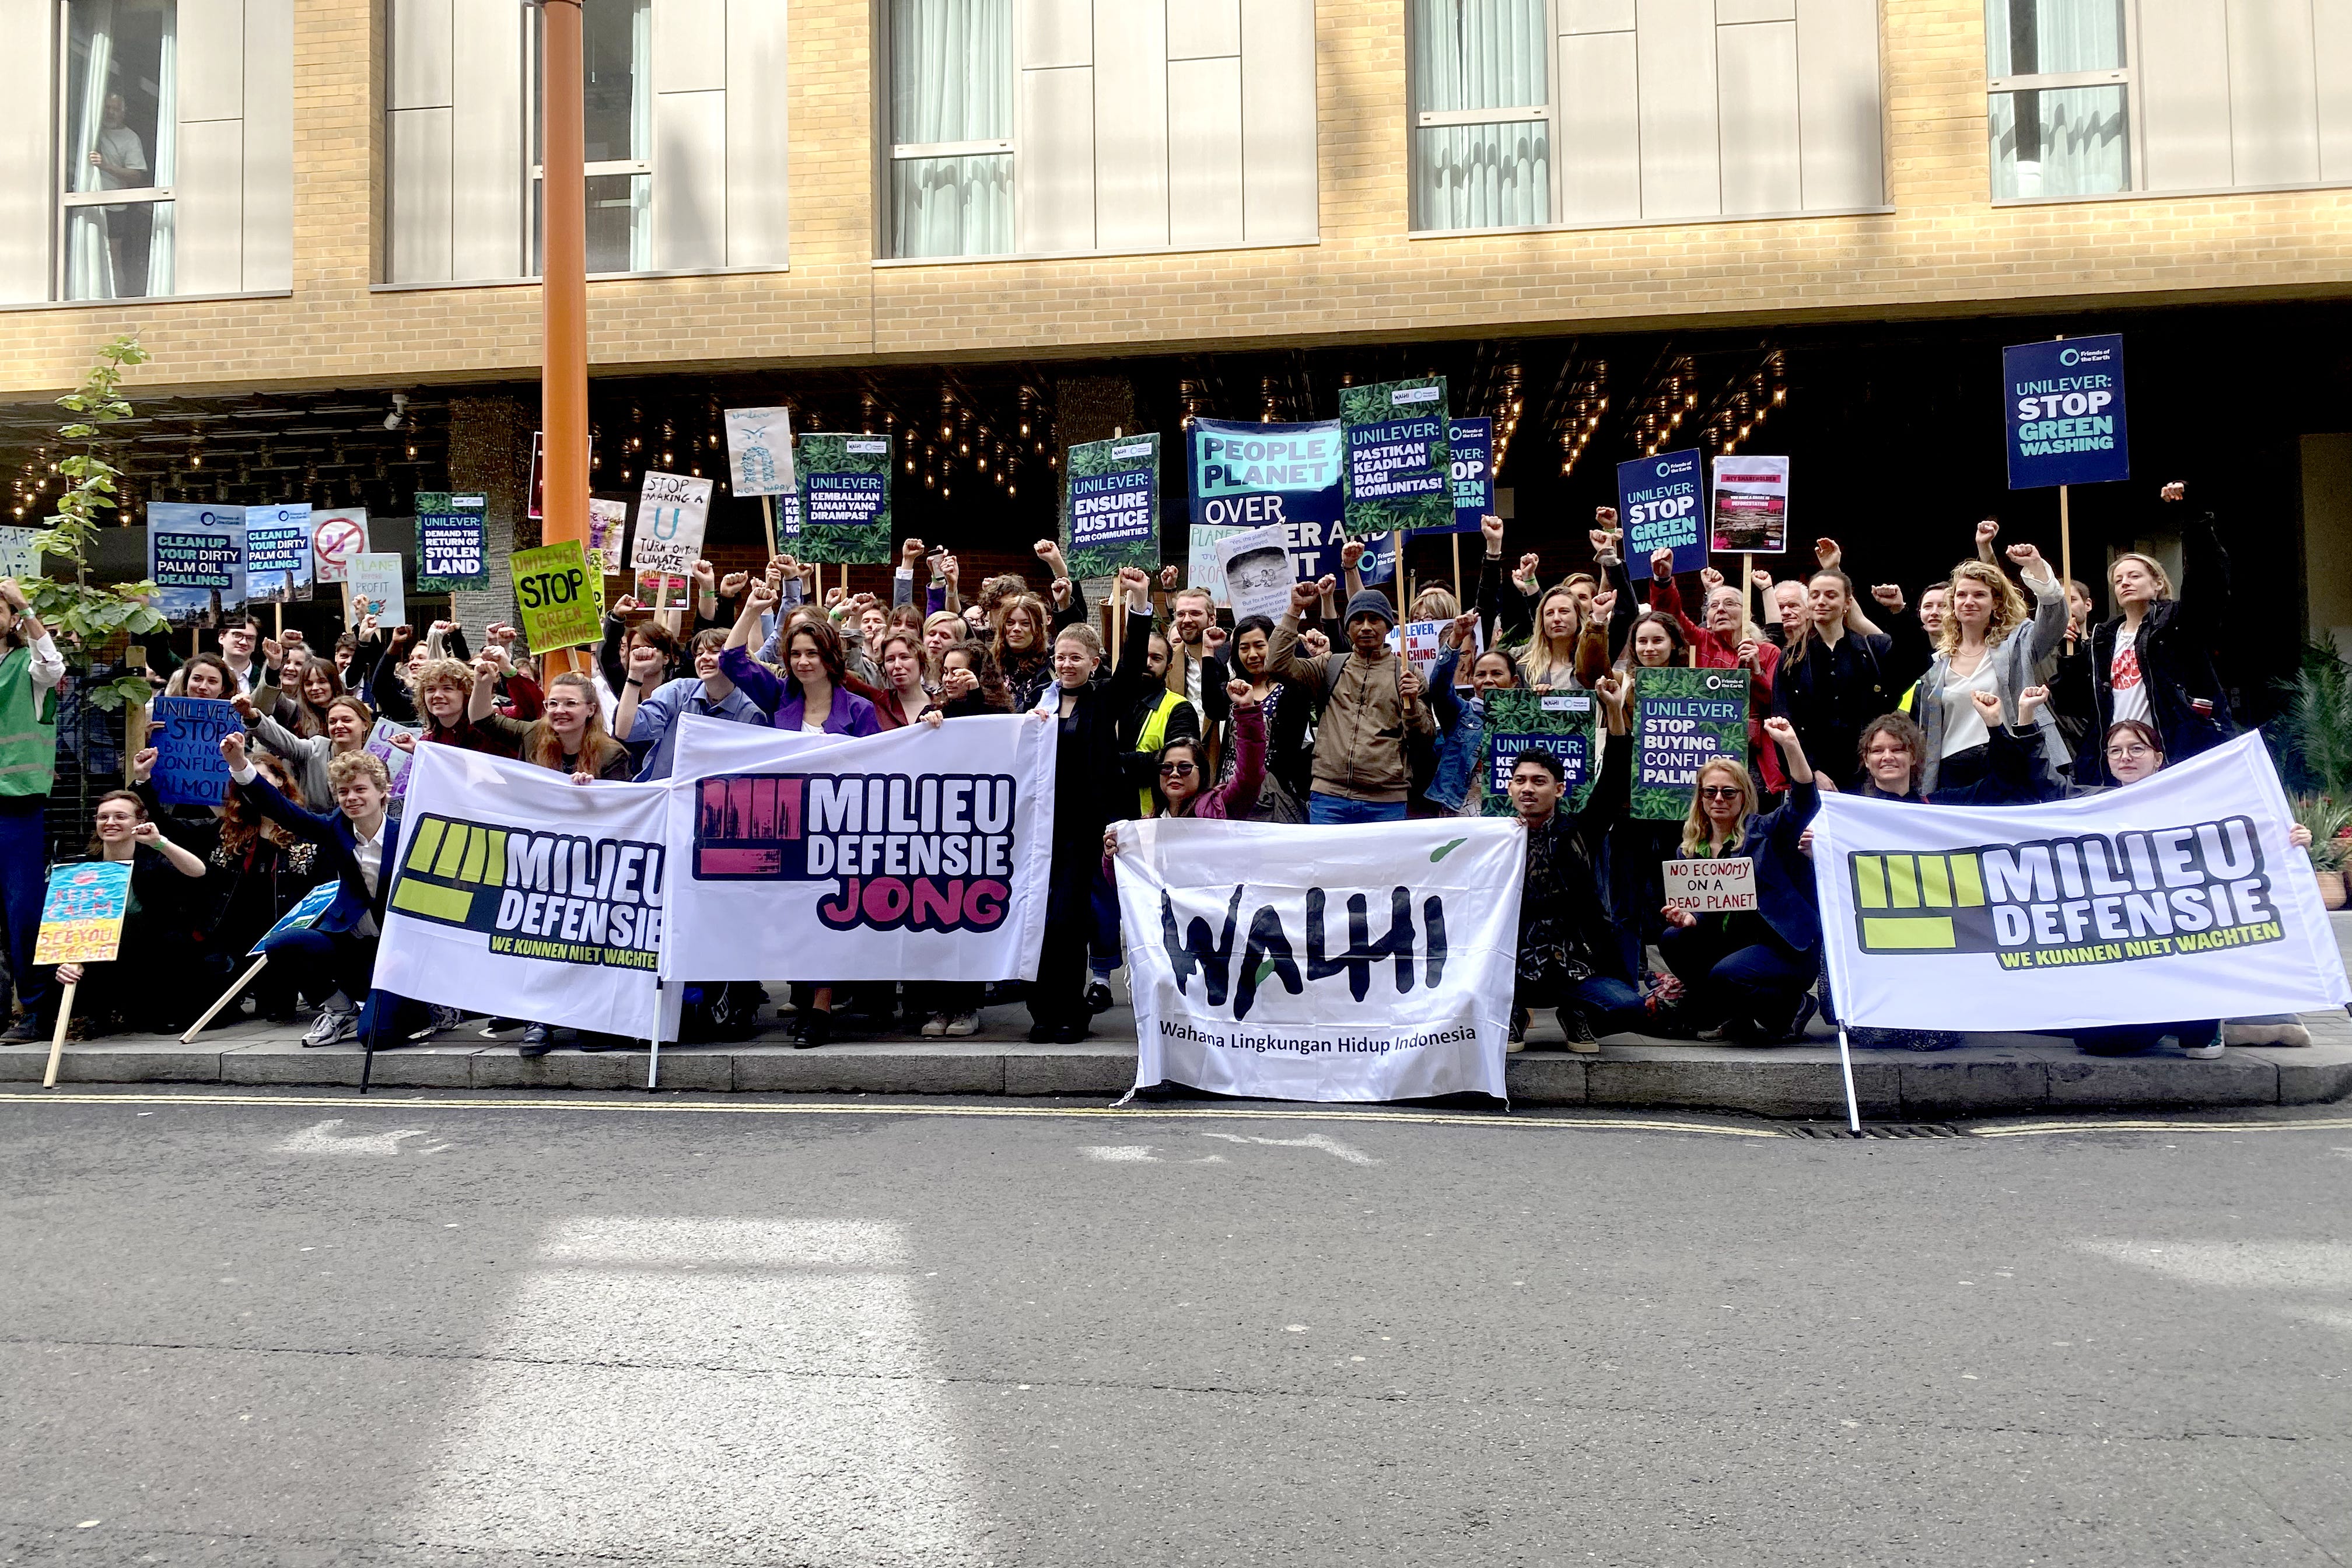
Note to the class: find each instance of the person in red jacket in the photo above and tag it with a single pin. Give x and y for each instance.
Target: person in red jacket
(1727, 641)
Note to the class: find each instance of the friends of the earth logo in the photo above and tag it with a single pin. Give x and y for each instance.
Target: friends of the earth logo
(932, 852)
(2061, 903)
(563, 896)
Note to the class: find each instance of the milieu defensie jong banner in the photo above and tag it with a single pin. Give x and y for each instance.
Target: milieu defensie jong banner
(1321, 963)
(2176, 898)
(919, 854)
(524, 895)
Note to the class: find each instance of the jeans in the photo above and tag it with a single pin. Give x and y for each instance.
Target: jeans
(2130, 1040)
(22, 885)
(1738, 970)
(1608, 1003)
(338, 961)
(1338, 811)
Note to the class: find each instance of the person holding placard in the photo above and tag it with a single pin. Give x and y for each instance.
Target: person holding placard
(1455, 785)
(2150, 661)
(31, 670)
(1283, 709)
(255, 870)
(147, 987)
(1570, 957)
(202, 675)
(1371, 697)
(348, 725)
(1728, 640)
(1989, 646)
(1746, 976)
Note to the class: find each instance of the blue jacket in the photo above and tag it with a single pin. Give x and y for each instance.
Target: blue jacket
(657, 720)
(1461, 726)
(1784, 877)
(780, 699)
(338, 843)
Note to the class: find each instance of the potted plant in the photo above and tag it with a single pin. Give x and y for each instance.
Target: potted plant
(2328, 823)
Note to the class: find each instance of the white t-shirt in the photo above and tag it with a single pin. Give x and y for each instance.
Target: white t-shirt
(1963, 725)
(809, 729)
(2123, 676)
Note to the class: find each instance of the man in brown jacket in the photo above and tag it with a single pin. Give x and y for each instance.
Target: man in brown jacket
(1370, 697)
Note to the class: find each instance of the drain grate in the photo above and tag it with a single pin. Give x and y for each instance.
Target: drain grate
(1877, 1130)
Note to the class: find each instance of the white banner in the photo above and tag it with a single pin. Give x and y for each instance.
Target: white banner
(2175, 899)
(919, 854)
(1323, 964)
(524, 895)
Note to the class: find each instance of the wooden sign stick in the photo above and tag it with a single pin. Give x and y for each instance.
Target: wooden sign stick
(57, 1040)
(228, 996)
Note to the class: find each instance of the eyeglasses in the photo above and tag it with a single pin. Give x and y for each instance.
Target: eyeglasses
(2131, 753)
(1175, 770)
(1720, 791)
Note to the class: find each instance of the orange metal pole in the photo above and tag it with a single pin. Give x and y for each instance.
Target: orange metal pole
(564, 289)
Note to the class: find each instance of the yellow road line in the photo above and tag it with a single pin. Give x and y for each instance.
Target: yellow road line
(2041, 1129)
(384, 1102)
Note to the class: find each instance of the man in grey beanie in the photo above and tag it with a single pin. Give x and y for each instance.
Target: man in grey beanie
(1371, 697)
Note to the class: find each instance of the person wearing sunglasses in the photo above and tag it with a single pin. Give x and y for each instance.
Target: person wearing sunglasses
(1747, 976)
(1182, 787)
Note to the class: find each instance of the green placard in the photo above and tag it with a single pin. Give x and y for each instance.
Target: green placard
(1560, 722)
(844, 486)
(1681, 718)
(562, 603)
(452, 541)
(1110, 506)
(1399, 468)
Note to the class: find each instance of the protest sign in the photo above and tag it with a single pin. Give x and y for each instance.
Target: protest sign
(1751, 506)
(661, 588)
(1399, 473)
(18, 557)
(1470, 442)
(911, 855)
(607, 522)
(1202, 567)
(1711, 886)
(195, 558)
(845, 493)
(1257, 566)
(2177, 897)
(1661, 506)
(1289, 476)
(1378, 563)
(394, 759)
(335, 538)
(562, 601)
(303, 915)
(1420, 643)
(522, 894)
(672, 510)
(788, 516)
(82, 911)
(1308, 964)
(1110, 507)
(760, 451)
(1681, 718)
(375, 588)
(452, 541)
(1560, 722)
(189, 768)
(278, 552)
(2066, 412)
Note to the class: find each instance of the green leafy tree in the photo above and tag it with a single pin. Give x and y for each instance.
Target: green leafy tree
(84, 616)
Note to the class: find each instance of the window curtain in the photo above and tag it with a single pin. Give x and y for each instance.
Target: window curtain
(2045, 38)
(90, 265)
(2060, 142)
(641, 136)
(951, 80)
(1472, 55)
(167, 152)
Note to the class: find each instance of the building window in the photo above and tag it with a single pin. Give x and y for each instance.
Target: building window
(1482, 114)
(121, 137)
(617, 51)
(2060, 104)
(951, 127)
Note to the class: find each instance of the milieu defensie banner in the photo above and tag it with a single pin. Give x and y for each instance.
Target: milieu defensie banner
(1321, 963)
(2178, 898)
(919, 854)
(524, 895)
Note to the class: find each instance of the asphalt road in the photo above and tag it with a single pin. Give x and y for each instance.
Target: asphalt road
(500, 1333)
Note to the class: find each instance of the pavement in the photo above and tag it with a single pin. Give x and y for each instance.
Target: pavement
(284, 1329)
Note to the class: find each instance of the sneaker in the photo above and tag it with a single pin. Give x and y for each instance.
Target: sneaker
(24, 1031)
(963, 1024)
(536, 1041)
(493, 1027)
(1098, 997)
(935, 1026)
(332, 1026)
(1580, 1037)
(2210, 1051)
(445, 1019)
(1518, 1037)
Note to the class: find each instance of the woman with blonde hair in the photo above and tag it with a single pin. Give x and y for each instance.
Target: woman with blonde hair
(2150, 661)
(1746, 975)
(1989, 643)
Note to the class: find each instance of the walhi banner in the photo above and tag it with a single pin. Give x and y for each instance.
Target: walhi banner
(2178, 898)
(1320, 963)
(844, 491)
(1110, 506)
(1681, 718)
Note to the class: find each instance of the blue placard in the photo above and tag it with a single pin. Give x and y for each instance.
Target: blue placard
(1113, 509)
(1570, 749)
(189, 768)
(1258, 475)
(1662, 505)
(1472, 441)
(194, 552)
(278, 559)
(303, 915)
(452, 549)
(2066, 412)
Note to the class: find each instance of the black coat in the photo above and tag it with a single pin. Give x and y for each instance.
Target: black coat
(1784, 874)
(2176, 666)
(1830, 693)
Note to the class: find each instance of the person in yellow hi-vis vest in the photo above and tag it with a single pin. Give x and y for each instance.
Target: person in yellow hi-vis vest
(1161, 716)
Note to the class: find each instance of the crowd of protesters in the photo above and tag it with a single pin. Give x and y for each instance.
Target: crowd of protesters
(1998, 688)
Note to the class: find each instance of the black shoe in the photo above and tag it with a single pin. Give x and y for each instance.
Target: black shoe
(1098, 997)
(816, 1028)
(1071, 1034)
(23, 1032)
(602, 1043)
(1041, 1034)
(1806, 1009)
(538, 1039)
